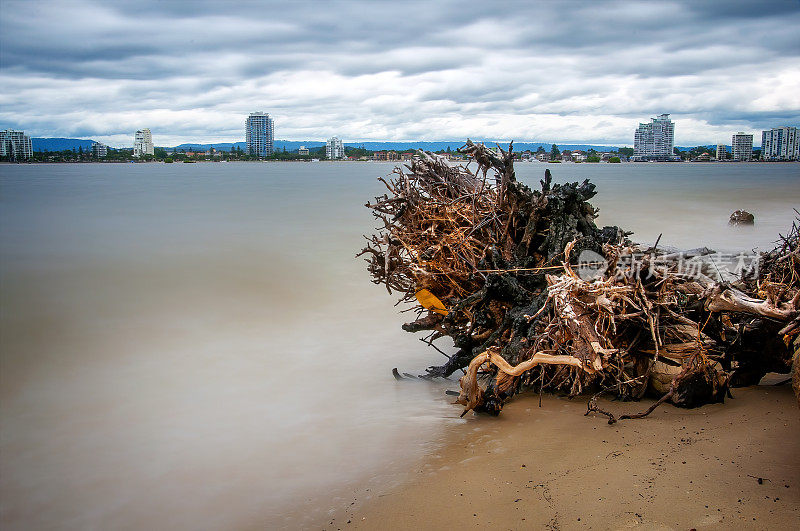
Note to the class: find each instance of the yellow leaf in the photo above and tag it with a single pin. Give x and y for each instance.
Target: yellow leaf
(431, 302)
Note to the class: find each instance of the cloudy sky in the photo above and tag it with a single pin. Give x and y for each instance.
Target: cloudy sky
(582, 72)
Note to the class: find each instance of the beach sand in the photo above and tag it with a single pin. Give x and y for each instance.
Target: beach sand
(554, 468)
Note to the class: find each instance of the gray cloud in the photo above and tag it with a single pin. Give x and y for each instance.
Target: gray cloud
(566, 71)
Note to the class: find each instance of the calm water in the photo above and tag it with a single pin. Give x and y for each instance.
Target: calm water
(194, 346)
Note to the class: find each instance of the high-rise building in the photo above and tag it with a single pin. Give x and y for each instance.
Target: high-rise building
(654, 141)
(15, 145)
(334, 149)
(259, 133)
(780, 143)
(99, 150)
(143, 143)
(742, 146)
(722, 152)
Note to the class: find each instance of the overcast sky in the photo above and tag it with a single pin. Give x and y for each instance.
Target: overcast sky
(582, 72)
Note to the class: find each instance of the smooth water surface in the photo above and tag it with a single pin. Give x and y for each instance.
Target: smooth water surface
(194, 346)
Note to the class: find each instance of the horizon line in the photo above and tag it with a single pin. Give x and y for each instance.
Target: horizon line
(564, 142)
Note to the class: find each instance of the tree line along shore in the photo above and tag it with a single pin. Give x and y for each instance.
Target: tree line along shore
(695, 154)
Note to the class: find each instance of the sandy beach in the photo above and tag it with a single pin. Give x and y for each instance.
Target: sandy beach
(731, 465)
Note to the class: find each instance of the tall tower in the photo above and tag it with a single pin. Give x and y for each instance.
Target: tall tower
(780, 143)
(259, 133)
(654, 141)
(334, 148)
(143, 143)
(742, 146)
(15, 145)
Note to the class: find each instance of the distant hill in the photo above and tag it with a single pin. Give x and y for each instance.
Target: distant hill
(60, 144)
(221, 146)
(709, 146)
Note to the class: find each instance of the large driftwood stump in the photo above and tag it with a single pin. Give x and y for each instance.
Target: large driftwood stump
(490, 264)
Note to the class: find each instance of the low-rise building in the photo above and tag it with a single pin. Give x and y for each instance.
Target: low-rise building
(99, 150)
(608, 155)
(385, 155)
(303, 151)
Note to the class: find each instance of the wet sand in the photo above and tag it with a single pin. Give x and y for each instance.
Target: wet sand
(553, 468)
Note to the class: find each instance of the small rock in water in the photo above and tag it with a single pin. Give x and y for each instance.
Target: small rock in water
(742, 217)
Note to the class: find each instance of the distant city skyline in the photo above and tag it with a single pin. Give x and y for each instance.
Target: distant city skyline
(583, 74)
(653, 142)
(649, 138)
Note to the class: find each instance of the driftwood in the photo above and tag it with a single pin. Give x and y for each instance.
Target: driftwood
(796, 369)
(532, 293)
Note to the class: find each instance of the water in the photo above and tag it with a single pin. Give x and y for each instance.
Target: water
(689, 203)
(194, 346)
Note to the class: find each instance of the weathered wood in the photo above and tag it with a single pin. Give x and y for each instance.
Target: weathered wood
(494, 261)
(720, 298)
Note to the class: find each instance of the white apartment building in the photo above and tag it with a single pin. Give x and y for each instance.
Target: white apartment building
(742, 146)
(722, 152)
(780, 143)
(259, 131)
(15, 145)
(99, 150)
(654, 141)
(302, 150)
(143, 143)
(334, 149)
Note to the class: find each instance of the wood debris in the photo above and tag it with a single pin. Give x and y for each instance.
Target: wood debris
(535, 295)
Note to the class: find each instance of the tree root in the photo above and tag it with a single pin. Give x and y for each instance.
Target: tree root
(527, 280)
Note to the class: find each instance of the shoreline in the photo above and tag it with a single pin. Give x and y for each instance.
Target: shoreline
(556, 468)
